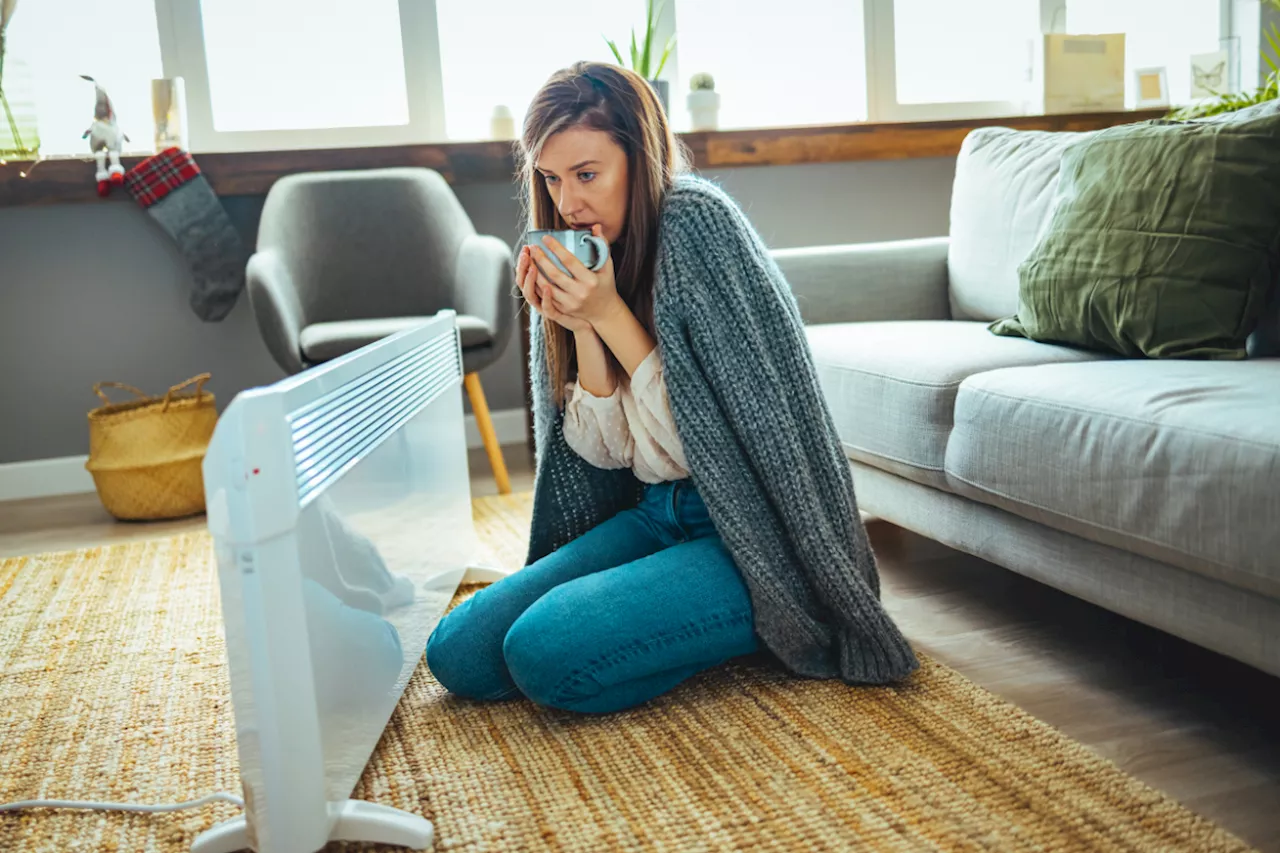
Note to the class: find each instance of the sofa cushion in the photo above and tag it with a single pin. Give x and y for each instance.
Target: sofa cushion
(1174, 460)
(324, 341)
(1002, 197)
(891, 386)
(1164, 241)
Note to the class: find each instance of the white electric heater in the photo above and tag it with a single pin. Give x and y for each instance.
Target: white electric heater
(339, 503)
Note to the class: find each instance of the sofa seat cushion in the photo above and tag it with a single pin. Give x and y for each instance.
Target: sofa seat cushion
(1174, 460)
(325, 341)
(891, 386)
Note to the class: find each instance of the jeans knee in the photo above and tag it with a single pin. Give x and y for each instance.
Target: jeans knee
(535, 665)
(460, 666)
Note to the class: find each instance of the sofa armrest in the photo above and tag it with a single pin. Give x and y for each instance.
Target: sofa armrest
(276, 308)
(902, 280)
(484, 285)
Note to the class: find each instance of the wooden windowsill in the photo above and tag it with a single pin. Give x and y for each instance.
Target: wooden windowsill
(253, 173)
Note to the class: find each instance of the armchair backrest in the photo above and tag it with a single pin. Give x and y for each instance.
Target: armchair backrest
(366, 244)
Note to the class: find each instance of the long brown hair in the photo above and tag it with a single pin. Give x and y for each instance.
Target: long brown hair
(621, 103)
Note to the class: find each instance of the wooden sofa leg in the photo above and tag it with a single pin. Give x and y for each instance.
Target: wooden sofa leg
(485, 424)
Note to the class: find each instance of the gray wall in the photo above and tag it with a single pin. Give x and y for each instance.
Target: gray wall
(93, 292)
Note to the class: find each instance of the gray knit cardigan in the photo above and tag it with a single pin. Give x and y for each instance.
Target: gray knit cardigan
(760, 441)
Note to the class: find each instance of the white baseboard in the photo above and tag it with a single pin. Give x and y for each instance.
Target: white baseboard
(42, 478)
(507, 423)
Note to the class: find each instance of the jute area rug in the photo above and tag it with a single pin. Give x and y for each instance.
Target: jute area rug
(112, 675)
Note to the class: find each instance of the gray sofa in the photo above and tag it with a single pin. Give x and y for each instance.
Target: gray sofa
(1151, 488)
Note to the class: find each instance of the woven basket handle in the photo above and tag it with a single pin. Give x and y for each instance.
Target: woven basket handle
(97, 389)
(198, 380)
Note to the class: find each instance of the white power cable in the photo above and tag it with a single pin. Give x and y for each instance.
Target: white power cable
(121, 807)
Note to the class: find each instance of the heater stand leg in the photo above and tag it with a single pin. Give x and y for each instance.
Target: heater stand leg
(356, 821)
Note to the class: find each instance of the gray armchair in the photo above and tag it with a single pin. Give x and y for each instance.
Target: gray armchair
(346, 258)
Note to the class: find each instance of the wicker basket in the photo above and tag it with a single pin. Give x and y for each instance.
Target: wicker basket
(145, 454)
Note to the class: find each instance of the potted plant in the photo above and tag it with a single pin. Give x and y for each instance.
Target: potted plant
(643, 60)
(704, 102)
(18, 135)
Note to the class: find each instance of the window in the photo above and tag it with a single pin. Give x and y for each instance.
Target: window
(304, 64)
(950, 53)
(1157, 32)
(271, 74)
(806, 66)
(61, 41)
(500, 52)
(942, 59)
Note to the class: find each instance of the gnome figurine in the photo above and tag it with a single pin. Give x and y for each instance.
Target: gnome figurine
(105, 139)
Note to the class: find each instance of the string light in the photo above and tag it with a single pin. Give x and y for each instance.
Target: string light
(26, 172)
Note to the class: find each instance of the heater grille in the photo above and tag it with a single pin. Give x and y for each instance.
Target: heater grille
(335, 432)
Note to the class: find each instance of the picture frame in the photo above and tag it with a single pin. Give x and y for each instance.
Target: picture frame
(1151, 86)
(1083, 73)
(1210, 74)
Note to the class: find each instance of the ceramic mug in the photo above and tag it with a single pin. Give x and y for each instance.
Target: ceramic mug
(593, 251)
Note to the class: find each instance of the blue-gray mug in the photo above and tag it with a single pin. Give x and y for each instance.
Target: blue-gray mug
(593, 251)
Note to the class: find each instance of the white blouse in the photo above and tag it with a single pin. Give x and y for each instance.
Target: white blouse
(631, 428)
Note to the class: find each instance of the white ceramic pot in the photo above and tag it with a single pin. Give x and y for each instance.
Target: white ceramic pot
(704, 109)
(502, 124)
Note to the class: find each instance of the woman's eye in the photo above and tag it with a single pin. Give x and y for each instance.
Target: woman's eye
(586, 176)
(550, 179)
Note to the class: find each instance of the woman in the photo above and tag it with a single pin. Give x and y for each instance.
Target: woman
(692, 502)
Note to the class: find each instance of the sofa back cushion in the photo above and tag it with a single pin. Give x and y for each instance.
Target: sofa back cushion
(1003, 195)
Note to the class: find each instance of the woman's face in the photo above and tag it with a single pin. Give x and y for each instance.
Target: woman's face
(586, 174)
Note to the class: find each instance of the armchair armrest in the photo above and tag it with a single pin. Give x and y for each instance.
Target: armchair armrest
(276, 308)
(901, 280)
(484, 285)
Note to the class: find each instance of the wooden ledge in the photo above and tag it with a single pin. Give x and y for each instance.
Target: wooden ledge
(253, 173)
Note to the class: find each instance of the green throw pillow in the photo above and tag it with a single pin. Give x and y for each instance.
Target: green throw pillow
(1163, 242)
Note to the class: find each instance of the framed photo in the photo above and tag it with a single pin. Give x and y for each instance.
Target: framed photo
(1152, 87)
(1210, 74)
(1083, 73)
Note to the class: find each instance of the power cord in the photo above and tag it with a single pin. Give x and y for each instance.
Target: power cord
(121, 807)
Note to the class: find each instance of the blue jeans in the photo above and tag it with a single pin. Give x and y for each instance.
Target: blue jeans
(616, 617)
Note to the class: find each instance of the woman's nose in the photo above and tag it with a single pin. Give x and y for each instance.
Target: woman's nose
(569, 203)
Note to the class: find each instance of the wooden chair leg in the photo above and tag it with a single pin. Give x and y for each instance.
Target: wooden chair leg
(481, 410)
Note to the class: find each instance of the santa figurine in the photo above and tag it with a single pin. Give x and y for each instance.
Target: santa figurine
(105, 140)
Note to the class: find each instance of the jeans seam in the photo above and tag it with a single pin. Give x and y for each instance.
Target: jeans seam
(719, 621)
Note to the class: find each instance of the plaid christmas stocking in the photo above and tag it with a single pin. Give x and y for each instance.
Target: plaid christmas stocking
(171, 188)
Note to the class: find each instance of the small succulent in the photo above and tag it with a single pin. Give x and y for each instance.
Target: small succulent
(702, 83)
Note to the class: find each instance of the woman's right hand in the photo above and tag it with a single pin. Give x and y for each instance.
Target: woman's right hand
(533, 290)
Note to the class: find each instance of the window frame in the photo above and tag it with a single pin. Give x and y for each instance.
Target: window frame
(182, 51)
(882, 75)
(182, 54)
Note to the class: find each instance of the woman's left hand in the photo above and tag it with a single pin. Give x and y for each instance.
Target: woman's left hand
(586, 295)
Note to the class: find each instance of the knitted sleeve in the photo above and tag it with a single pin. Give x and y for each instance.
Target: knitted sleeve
(762, 445)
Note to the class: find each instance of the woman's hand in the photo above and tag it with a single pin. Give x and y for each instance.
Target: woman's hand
(584, 295)
(532, 287)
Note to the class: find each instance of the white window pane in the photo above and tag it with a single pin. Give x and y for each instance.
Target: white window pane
(949, 52)
(775, 64)
(1157, 32)
(304, 64)
(62, 39)
(500, 52)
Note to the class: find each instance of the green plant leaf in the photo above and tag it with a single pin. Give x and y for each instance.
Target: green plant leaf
(635, 54)
(1273, 39)
(616, 55)
(651, 25)
(666, 54)
(645, 45)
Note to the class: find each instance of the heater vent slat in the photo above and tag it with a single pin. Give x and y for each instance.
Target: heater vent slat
(344, 426)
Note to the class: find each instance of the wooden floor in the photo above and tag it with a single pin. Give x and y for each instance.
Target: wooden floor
(1198, 726)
